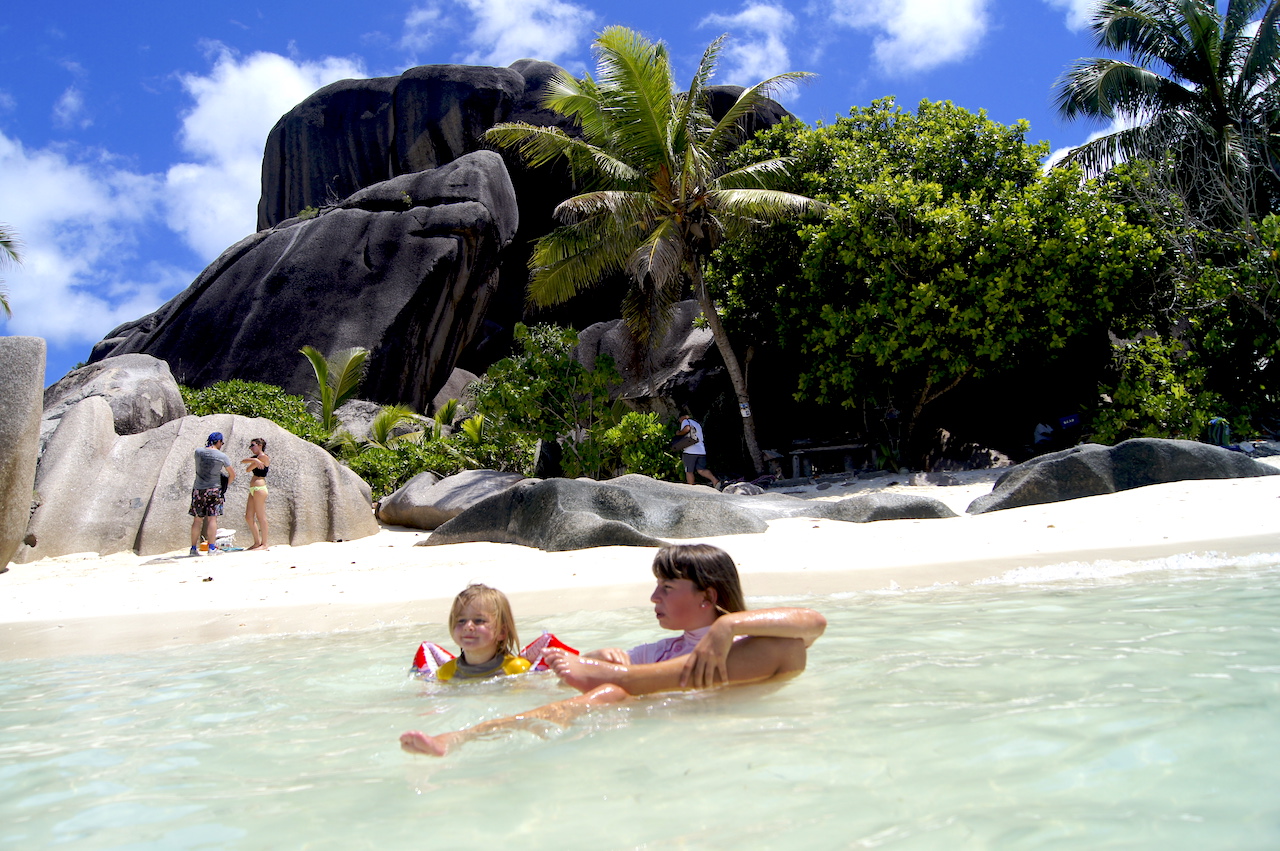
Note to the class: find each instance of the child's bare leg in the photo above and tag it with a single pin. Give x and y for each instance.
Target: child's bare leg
(561, 712)
(753, 659)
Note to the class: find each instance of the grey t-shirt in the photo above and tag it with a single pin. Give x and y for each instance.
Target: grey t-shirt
(209, 464)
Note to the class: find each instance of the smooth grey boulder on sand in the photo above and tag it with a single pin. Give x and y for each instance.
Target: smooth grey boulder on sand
(426, 501)
(637, 511)
(888, 506)
(139, 388)
(1091, 469)
(106, 493)
(21, 379)
(404, 268)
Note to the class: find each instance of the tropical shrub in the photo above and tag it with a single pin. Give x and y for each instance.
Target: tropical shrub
(639, 443)
(543, 393)
(255, 399)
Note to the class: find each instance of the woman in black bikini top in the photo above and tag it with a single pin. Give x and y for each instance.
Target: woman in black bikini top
(255, 511)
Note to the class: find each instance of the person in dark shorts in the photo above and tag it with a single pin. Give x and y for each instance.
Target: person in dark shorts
(206, 493)
(695, 456)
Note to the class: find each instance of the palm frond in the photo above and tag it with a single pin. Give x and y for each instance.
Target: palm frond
(346, 372)
(575, 257)
(620, 204)
(539, 146)
(659, 256)
(728, 132)
(762, 205)
(635, 81)
(766, 174)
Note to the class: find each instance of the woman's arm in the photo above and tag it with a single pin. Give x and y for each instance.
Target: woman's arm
(709, 660)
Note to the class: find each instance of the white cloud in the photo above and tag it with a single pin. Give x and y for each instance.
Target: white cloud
(507, 30)
(212, 200)
(79, 223)
(755, 50)
(1079, 12)
(421, 27)
(69, 110)
(916, 35)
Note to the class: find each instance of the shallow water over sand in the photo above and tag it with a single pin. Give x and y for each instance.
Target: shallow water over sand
(1110, 709)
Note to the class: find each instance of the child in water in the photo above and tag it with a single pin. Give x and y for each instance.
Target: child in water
(481, 623)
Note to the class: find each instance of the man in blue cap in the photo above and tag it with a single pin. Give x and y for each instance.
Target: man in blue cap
(206, 493)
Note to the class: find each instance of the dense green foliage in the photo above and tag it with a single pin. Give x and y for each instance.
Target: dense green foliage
(945, 255)
(638, 444)
(1198, 168)
(254, 399)
(542, 393)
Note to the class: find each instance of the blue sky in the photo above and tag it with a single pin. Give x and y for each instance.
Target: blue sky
(131, 134)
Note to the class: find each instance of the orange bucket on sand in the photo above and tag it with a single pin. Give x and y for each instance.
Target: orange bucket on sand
(204, 546)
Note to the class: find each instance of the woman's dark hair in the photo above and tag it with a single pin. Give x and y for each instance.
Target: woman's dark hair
(262, 444)
(706, 566)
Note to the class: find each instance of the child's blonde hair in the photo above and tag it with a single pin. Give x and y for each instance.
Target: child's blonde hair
(493, 601)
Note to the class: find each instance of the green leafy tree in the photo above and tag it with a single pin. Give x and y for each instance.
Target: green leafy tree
(10, 252)
(1199, 86)
(661, 195)
(337, 379)
(922, 292)
(945, 256)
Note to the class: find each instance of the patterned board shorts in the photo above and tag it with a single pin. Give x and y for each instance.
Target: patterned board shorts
(206, 502)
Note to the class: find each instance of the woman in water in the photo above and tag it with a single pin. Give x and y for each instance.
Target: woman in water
(698, 593)
(255, 511)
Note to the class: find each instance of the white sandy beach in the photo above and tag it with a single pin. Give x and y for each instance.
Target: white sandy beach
(86, 604)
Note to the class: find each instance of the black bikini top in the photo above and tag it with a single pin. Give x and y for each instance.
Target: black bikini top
(261, 472)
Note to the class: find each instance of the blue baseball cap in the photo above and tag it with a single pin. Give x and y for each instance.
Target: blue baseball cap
(215, 437)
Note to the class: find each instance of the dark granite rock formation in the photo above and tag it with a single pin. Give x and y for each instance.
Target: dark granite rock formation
(673, 368)
(426, 501)
(888, 506)
(404, 268)
(636, 511)
(105, 493)
(139, 388)
(21, 377)
(1091, 470)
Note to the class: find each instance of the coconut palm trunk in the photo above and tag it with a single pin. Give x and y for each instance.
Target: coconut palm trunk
(736, 376)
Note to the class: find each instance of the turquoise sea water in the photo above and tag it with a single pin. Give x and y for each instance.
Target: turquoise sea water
(1106, 709)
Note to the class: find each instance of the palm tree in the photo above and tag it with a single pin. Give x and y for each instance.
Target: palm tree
(337, 379)
(661, 196)
(9, 253)
(1203, 90)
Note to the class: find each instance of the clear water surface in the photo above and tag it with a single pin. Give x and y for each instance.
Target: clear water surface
(1107, 709)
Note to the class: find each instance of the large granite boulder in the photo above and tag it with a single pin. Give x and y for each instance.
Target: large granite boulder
(673, 368)
(102, 492)
(426, 501)
(404, 268)
(21, 377)
(573, 514)
(1091, 469)
(139, 388)
(888, 506)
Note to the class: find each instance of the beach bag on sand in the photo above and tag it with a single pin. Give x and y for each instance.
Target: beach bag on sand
(430, 656)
